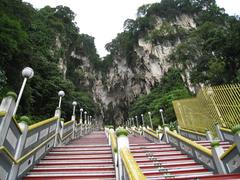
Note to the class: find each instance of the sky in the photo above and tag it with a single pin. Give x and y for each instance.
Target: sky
(103, 19)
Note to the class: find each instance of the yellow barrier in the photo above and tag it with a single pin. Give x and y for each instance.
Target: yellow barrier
(191, 143)
(113, 141)
(133, 170)
(42, 123)
(217, 104)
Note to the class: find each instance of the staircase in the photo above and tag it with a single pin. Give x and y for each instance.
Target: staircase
(89, 157)
(162, 161)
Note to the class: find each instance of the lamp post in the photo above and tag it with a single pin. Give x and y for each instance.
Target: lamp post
(85, 117)
(150, 119)
(136, 120)
(27, 73)
(81, 111)
(161, 112)
(60, 94)
(90, 122)
(74, 103)
(142, 120)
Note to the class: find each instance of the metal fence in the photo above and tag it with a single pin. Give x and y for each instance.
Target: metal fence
(216, 104)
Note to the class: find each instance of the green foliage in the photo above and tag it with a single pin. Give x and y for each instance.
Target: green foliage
(121, 132)
(39, 39)
(215, 144)
(236, 129)
(12, 94)
(26, 119)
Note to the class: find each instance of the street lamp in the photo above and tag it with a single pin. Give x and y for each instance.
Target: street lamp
(74, 106)
(161, 112)
(85, 117)
(27, 73)
(136, 120)
(81, 111)
(142, 120)
(60, 94)
(74, 103)
(150, 119)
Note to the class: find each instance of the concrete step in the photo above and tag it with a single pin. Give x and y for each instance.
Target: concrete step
(157, 154)
(71, 149)
(94, 176)
(187, 176)
(56, 153)
(152, 150)
(91, 161)
(77, 157)
(169, 165)
(164, 158)
(156, 146)
(179, 173)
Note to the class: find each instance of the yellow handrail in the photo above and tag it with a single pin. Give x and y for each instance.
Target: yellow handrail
(8, 154)
(133, 170)
(150, 129)
(230, 149)
(11, 157)
(150, 133)
(191, 143)
(113, 141)
(65, 137)
(226, 129)
(69, 122)
(42, 123)
(35, 149)
(193, 132)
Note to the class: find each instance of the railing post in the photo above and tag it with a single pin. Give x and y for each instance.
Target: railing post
(217, 151)
(20, 146)
(219, 133)
(7, 106)
(165, 129)
(209, 135)
(122, 141)
(57, 114)
(73, 129)
(236, 132)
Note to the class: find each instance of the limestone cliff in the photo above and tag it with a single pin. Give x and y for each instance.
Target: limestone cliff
(123, 82)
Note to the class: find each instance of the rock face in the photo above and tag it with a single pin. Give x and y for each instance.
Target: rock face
(123, 83)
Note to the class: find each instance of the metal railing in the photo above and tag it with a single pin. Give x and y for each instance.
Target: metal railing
(217, 104)
(130, 165)
(22, 146)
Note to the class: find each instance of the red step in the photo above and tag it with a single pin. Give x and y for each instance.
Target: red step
(90, 157)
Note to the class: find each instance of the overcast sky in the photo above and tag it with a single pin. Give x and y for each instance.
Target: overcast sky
(103, 19)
